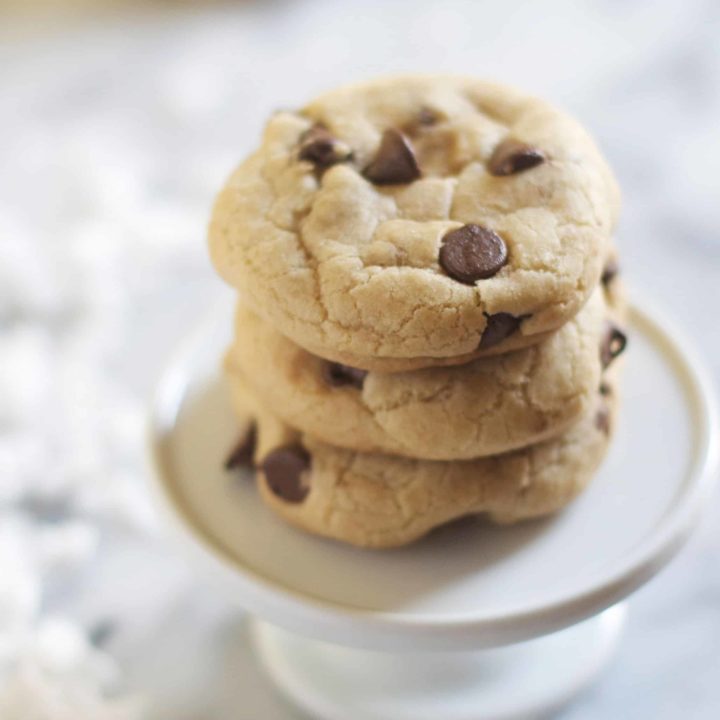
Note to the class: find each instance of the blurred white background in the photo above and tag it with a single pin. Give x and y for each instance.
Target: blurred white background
(118, 124)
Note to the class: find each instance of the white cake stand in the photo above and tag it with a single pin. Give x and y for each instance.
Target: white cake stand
(476, 621)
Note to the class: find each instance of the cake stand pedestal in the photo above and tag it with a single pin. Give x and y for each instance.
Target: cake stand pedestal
(524, 680)
(475, 622)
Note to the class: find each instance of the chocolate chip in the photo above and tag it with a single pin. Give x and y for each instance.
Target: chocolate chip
(610, 271)
(472, 253)
(284, 469)
(336, 375)
(602, 420)
(612, 345)
(321, 148)
(513, 156)
(499, 326)
(242, 454)
(605, 389)
(394, 161)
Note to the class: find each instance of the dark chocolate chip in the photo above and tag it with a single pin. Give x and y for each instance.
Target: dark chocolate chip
(499, 326)
(513, 156)
(614, 342)
(610, 272)
(394, 161)
(321, 148)
(284, 469)
(336, 375)
(242, 454)
(602, 420)
(605, 389)
(472, 253)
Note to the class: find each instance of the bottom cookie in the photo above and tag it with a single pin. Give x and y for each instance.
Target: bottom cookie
(382, 501)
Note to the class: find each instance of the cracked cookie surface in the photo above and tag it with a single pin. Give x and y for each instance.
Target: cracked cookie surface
(488, 406)
(417, 221)
(373, 500)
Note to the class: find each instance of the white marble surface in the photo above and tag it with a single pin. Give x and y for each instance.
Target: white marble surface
(115, 135)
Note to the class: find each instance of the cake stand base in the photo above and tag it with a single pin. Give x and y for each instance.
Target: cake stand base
(433, 624)
(526, 680)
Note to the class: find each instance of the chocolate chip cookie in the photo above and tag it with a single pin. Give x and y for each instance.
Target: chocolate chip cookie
(378, 501)
(417, 221)
(488, 406)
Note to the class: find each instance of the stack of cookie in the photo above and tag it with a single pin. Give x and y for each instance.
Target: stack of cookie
(428, 308)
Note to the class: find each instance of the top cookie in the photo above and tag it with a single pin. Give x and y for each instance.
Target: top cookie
(417, 217)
